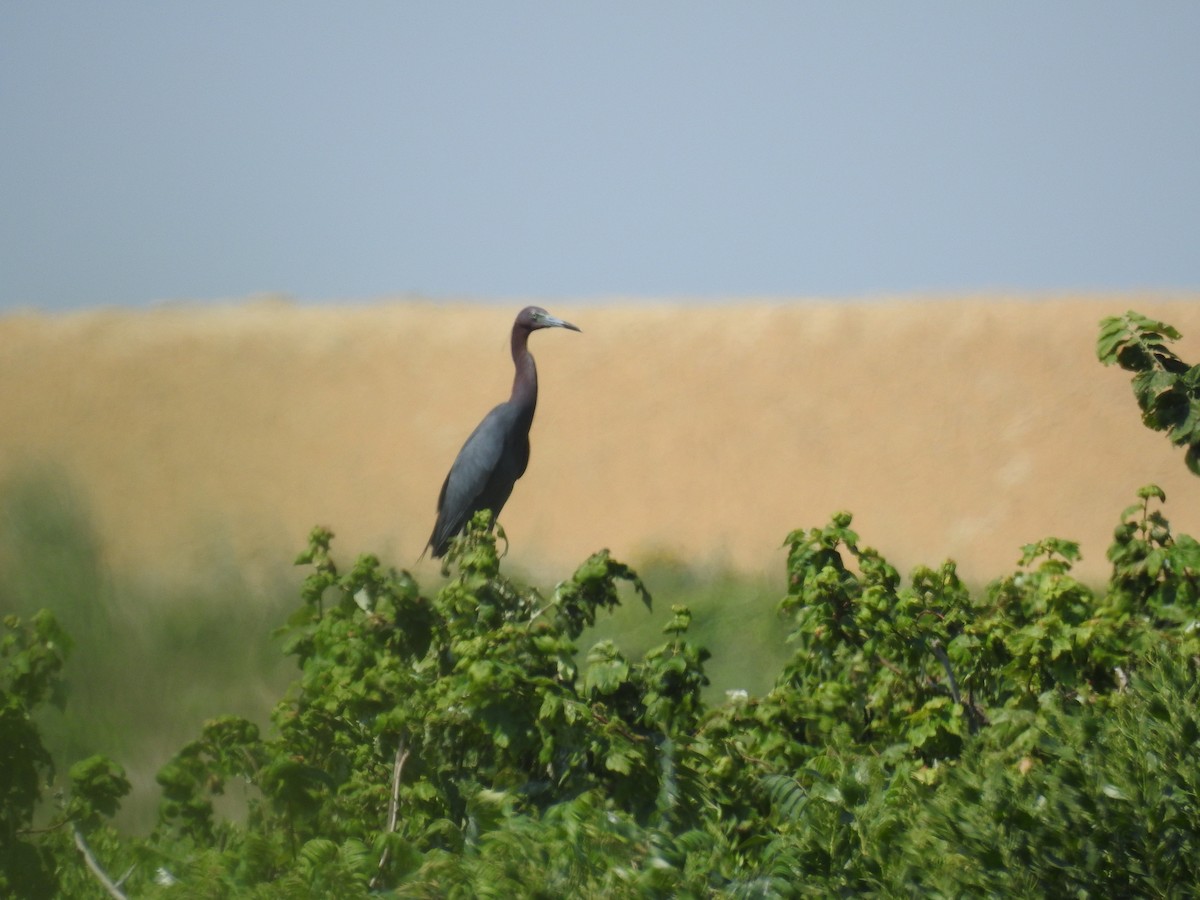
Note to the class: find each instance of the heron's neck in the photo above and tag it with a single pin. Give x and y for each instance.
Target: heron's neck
(525, 388)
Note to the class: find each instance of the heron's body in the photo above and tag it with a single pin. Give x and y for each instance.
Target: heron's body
(497, 452)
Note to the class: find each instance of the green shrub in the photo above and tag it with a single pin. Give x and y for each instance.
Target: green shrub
(1033, 738)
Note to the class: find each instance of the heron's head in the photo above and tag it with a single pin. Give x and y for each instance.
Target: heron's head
(534, 317)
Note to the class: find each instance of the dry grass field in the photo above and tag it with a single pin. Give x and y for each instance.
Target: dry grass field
(961, 427)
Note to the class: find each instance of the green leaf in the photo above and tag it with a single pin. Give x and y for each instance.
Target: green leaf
(1151, 492)
(99, 784)
(319, 851)
(786, 795)
(1192, 458)
(1113, 333)
(1111, 790)
(619, 761)
(830, 793)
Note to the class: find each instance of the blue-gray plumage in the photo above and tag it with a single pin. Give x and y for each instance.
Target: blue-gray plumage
(497, 452)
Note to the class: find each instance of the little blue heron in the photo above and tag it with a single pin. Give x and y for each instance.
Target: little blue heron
(497, 452)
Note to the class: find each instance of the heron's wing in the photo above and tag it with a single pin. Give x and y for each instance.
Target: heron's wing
(471, 482)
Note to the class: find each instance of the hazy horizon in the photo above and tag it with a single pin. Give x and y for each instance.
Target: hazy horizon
(217, 151)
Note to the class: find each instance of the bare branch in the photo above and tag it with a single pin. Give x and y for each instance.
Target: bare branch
(397, 771)
(394, 803)
(936, 646)
(99, 872)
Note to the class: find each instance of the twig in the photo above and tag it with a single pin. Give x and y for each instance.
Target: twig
(125, 877)
(49, 828)
(975, 714)
(1122, 679)
(397, 770)
(100, 874)
(393, 804)
(936, 646)
(545, 609)
(891, 666)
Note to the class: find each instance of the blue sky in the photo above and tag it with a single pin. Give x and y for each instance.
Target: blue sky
(155, 151)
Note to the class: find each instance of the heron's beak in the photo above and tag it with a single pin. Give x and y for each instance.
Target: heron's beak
(552, 322)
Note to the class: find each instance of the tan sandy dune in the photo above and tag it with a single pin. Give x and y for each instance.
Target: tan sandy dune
(959, 427)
